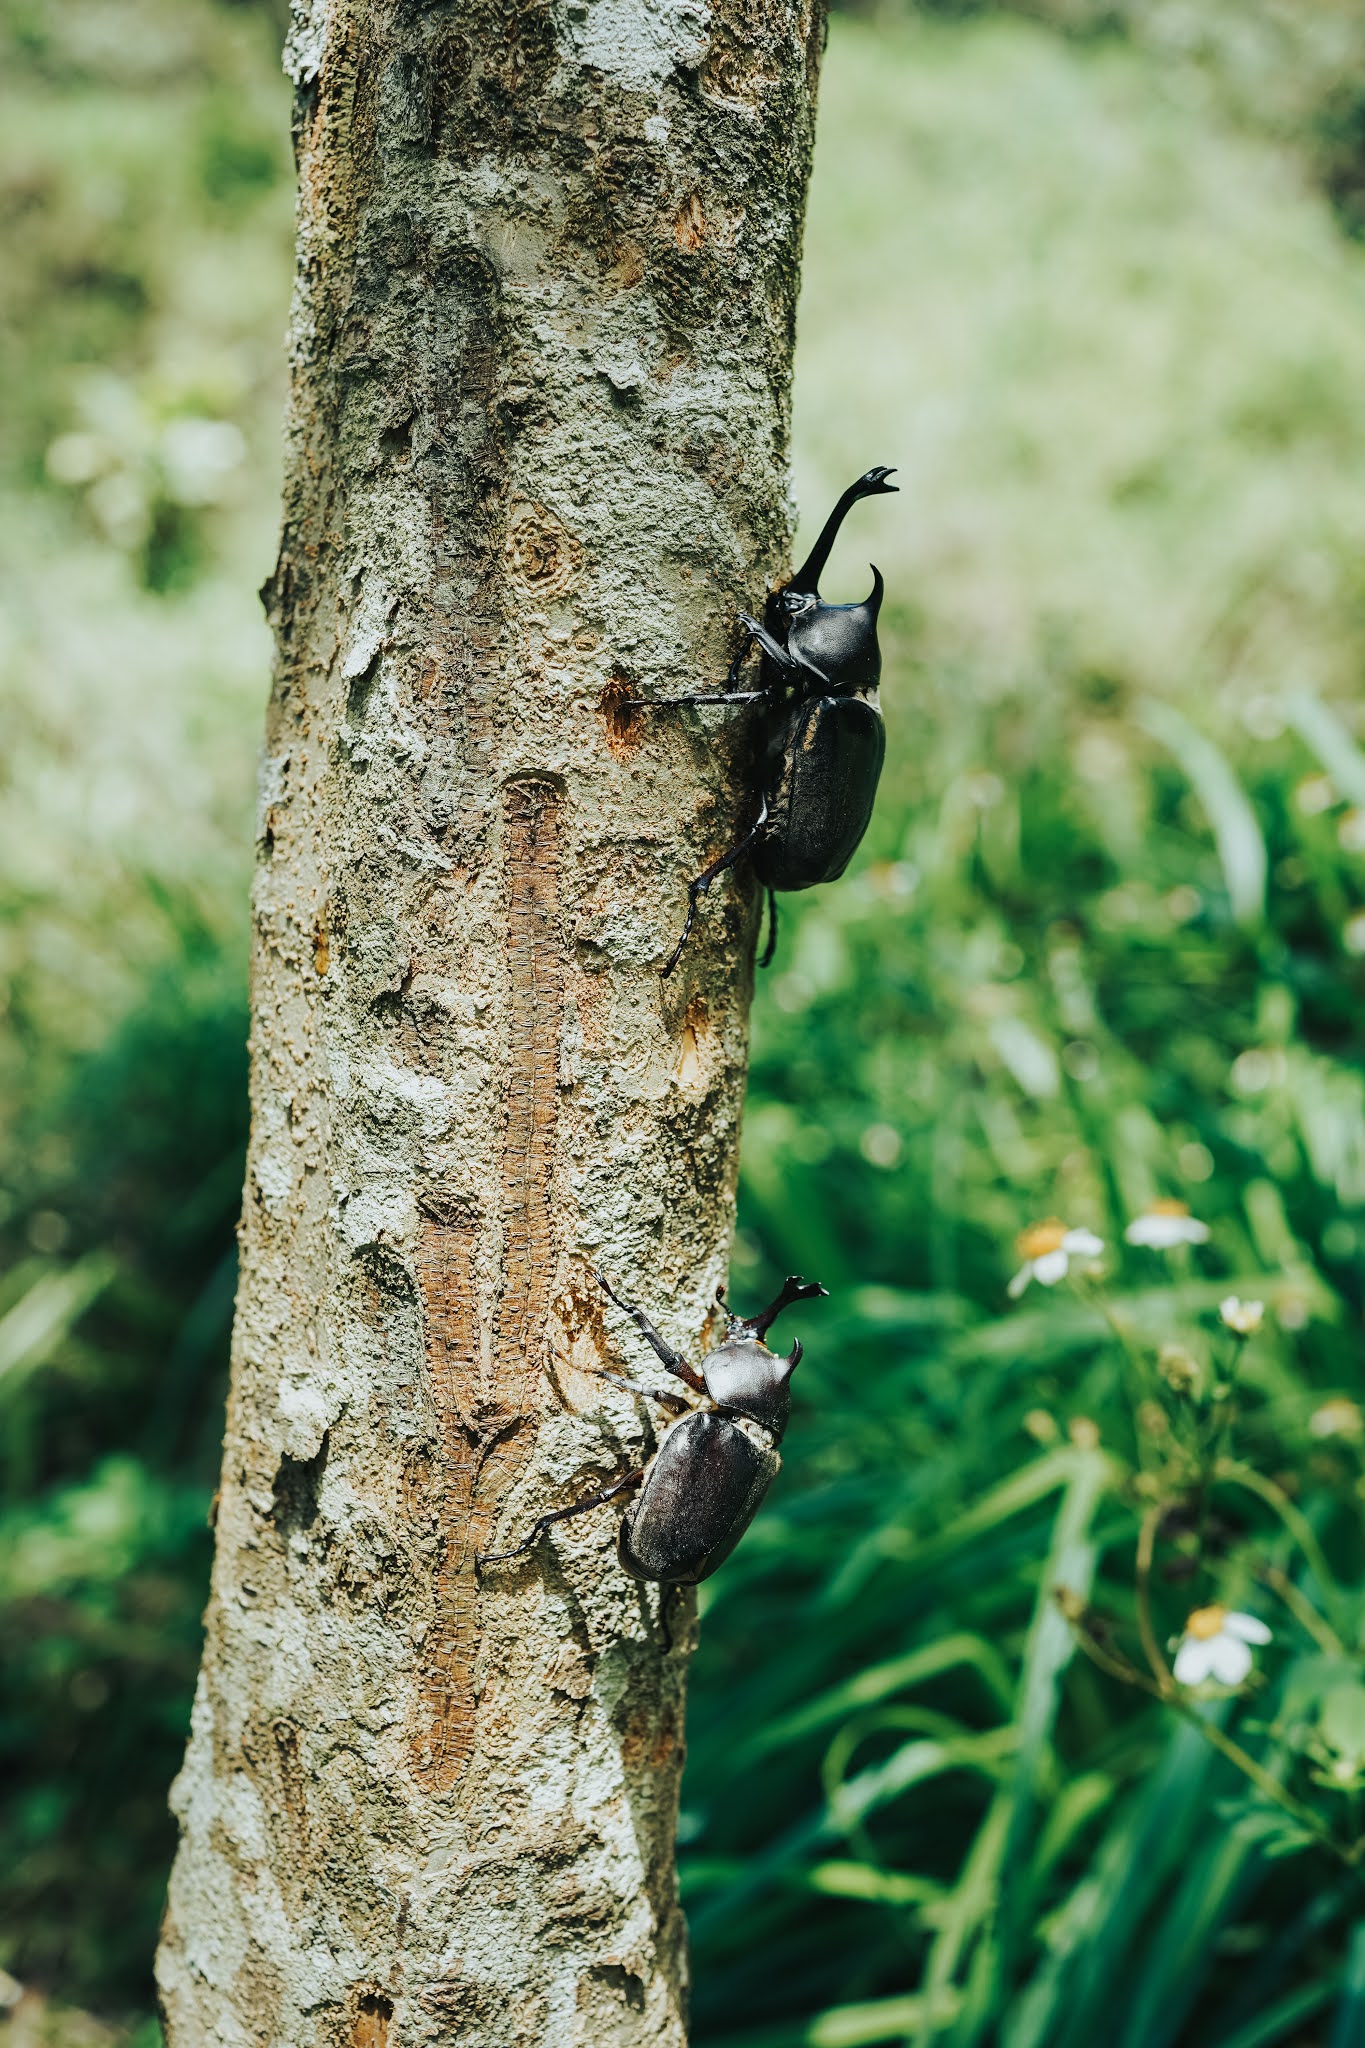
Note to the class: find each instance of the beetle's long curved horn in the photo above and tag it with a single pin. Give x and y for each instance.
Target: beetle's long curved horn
(794, 1288)
(871, 485)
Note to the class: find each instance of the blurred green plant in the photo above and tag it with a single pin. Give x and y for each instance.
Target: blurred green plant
(144, 195)
(1081, 278)
(1106, 952)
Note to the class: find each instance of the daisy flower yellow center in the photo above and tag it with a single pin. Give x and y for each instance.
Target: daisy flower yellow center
(1167, 1207)
(1041, 1238)
(1206, 1623)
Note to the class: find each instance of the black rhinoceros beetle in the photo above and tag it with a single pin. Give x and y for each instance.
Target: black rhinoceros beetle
(821, 740)
(703, 1486)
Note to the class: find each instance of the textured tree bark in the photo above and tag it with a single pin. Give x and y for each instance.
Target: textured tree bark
(541, 346)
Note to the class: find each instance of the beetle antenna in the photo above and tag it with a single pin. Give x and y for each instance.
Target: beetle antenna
(794, 1288)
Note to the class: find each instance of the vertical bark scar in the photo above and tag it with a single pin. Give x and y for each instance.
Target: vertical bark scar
(445, 1273)
(483, 1438)
(536, 973)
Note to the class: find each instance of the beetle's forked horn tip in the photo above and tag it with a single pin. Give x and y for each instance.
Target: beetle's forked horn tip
(794, 1288)
(807, 1290)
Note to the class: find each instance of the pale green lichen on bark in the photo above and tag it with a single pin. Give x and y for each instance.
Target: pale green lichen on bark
(536, 460)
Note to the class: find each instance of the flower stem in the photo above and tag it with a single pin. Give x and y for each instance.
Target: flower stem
(1265, 1782)
(1115, 1666)
(1294, 1520)
(1151, 1648)
(1302, 1609)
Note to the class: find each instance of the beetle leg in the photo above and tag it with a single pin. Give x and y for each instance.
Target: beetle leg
(662, 1349)
(771, 946)
(741, 656)
(704, 697)
(580, 1507)
(707, 877)
(730, 694)
(790, 664)
(636, 1387)
(665, 1625)
(774, 649)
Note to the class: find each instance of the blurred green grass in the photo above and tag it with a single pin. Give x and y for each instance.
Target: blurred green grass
(1090, 281)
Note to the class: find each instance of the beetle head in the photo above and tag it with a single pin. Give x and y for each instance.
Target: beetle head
(743, 1374)
(839, 641)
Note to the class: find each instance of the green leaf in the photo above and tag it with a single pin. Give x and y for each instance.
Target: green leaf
(44, 1316)
(1241, 849)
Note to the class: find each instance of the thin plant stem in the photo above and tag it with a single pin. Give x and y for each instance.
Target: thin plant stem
(1302, 1609)
(1115, 1667)
(1137, 1382)
(1294, 1519)
(1264, 1781)
(1146, 1547)
(1093, 1290)
(1214, 1435)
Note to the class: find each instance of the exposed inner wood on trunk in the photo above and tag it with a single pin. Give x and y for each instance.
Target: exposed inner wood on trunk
(483, 1433)
(536, 970)
(373, 2016)
(444, 1733)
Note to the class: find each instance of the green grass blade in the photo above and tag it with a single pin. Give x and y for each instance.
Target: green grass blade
(879, 1682)
(1050, 1648)
(1348, 2023)
(1283, 2019)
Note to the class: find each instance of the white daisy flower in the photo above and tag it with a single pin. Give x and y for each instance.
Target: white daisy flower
(1337, 1417)
(1047, 1250)
(1164, 1225)
(1243, 1317)
(1215, 1645)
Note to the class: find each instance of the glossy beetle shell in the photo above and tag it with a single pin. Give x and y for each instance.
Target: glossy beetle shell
(744, 1375)
(826, 760)
(699, 1496)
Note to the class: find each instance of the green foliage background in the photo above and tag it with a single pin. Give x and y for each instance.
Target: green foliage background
(1087, 273)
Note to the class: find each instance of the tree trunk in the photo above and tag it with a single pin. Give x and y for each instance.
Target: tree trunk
(536, 460)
